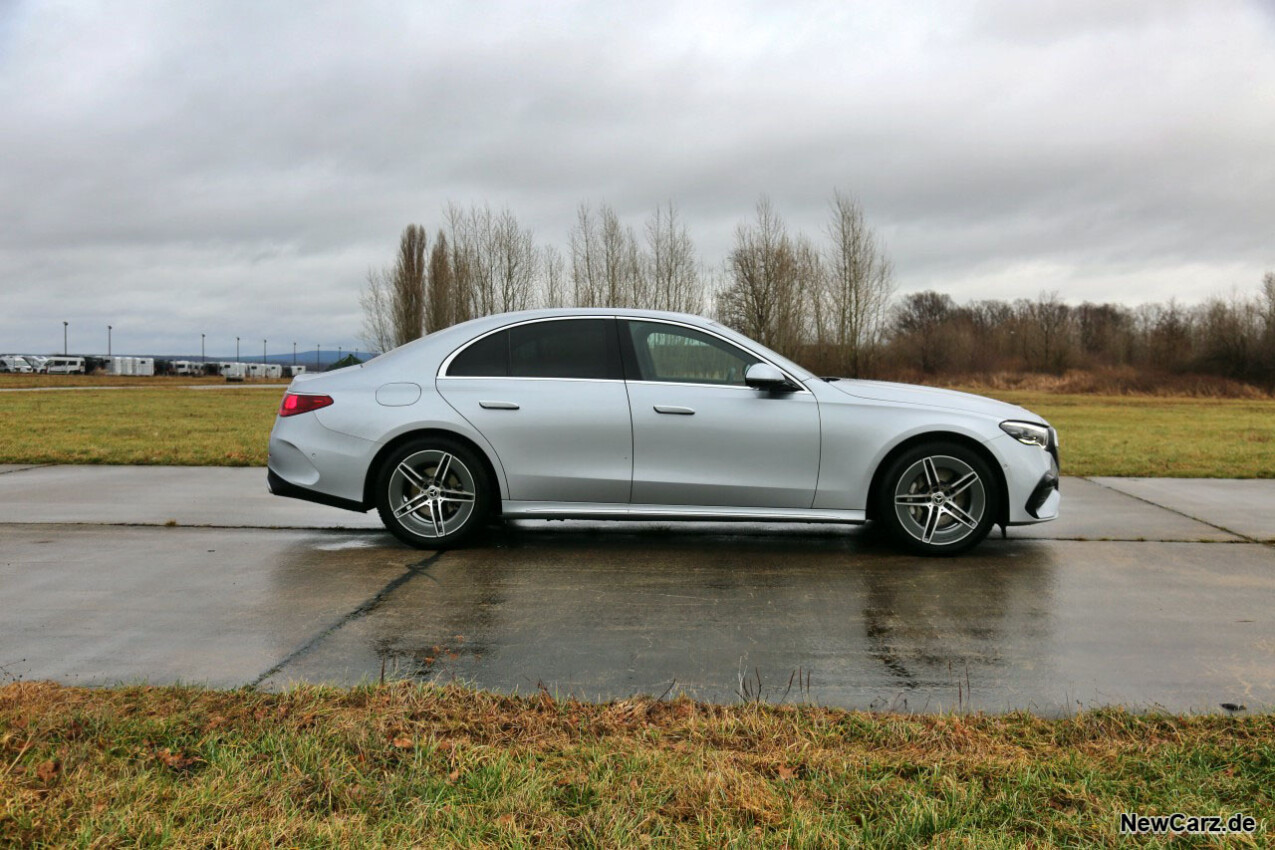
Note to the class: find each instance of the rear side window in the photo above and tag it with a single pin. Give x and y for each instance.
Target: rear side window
(565, 348)
(487, 358)
(570, 348)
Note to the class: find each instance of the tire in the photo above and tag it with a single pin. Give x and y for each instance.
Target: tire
(424, 509)
(938, 498)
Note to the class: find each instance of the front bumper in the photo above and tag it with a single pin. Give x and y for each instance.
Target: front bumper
(1031, 480)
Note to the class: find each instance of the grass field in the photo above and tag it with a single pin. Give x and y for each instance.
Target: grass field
(174, 425)
(17, 382)
(409, 765)
(1100, 435)
(1158, 437)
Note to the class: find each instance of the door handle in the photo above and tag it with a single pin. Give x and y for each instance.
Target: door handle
(497, 405)
(679, 411)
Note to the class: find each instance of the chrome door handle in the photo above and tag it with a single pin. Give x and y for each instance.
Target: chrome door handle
(669, 408)
(497, 405)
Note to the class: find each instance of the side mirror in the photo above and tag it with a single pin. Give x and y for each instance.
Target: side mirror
(763, 376)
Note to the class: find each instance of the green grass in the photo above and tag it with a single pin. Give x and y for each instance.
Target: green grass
(1158, 437)
(184, 427)
(404, 765)
(1100, 435)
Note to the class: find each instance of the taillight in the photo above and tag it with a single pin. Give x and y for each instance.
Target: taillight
(294, 403)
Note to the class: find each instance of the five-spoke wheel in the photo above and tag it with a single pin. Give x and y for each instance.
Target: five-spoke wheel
(432, 493)
(938, 498)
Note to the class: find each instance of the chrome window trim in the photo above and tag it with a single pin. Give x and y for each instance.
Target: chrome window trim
(798, 386)
(447, 362)
(528, 378)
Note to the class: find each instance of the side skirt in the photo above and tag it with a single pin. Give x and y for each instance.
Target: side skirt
(593, 510)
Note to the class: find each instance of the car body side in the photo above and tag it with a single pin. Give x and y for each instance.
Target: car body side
(332, 455)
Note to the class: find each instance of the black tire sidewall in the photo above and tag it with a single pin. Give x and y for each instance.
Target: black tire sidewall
(482, 495)
(885, 497)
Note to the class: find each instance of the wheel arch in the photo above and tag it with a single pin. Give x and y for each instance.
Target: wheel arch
(373, 469)
(1002, 486)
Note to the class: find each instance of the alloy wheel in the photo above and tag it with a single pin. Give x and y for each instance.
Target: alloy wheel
(432, 493)
(940, 500)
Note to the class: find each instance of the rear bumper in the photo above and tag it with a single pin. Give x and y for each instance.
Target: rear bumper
(280, 487)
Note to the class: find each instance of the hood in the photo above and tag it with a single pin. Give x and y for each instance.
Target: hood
(932, 397)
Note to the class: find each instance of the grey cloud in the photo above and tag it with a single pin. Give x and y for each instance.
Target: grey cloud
(190, 165)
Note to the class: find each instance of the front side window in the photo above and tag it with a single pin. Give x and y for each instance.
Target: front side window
(566, 348)
(682, 355)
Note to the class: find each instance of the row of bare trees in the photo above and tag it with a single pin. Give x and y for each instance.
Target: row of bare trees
(783, 289)
(827, 302)
(1230, 337)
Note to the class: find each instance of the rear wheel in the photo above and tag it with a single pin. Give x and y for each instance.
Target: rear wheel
(433, 493)
(938, 499)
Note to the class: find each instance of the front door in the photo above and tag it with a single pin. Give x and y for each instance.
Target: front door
(701, 436)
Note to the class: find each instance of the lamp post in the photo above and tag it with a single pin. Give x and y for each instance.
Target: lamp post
(294, 354)
(64, 324)
(263, 352)
(203, 358)
(236, 349)
(108, 340)
(316, 356)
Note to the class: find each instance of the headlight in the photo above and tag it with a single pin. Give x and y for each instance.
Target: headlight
(1027, 432)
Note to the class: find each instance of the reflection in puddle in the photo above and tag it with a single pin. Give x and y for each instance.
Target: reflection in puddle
(616, 612)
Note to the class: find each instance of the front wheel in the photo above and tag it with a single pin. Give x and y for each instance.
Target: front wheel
(938, 499)
(433, 493)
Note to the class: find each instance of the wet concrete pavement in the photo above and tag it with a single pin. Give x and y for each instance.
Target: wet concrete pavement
(1122, 602)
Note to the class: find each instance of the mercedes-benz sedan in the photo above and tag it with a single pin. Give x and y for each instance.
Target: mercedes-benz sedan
(637, 415)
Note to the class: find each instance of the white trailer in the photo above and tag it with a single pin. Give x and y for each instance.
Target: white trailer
(145, 366)
(233, 371)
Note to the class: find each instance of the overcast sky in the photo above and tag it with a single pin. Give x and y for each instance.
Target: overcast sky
(234, 168)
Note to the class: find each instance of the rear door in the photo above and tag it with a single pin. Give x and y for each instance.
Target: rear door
(549, 396)
(701, 436)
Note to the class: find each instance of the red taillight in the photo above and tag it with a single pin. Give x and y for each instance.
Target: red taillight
(294, 403)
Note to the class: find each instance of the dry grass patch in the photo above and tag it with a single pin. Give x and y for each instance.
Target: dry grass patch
(408, 764)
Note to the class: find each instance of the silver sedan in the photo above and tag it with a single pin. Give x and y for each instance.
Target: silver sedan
(637, 415)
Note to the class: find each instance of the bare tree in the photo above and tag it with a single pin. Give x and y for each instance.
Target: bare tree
(921, 321)
(763, 298)
(586, 259)
(462, 264)
(1047, 342)
(671, 267)
(408, 285)
(855, 296)
(516, 260)
(377, 301)
(1267, 308)
(553, 277)
(440, 312)
(494, 261)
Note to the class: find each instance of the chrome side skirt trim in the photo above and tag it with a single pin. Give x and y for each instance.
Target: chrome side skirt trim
(594, 510)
